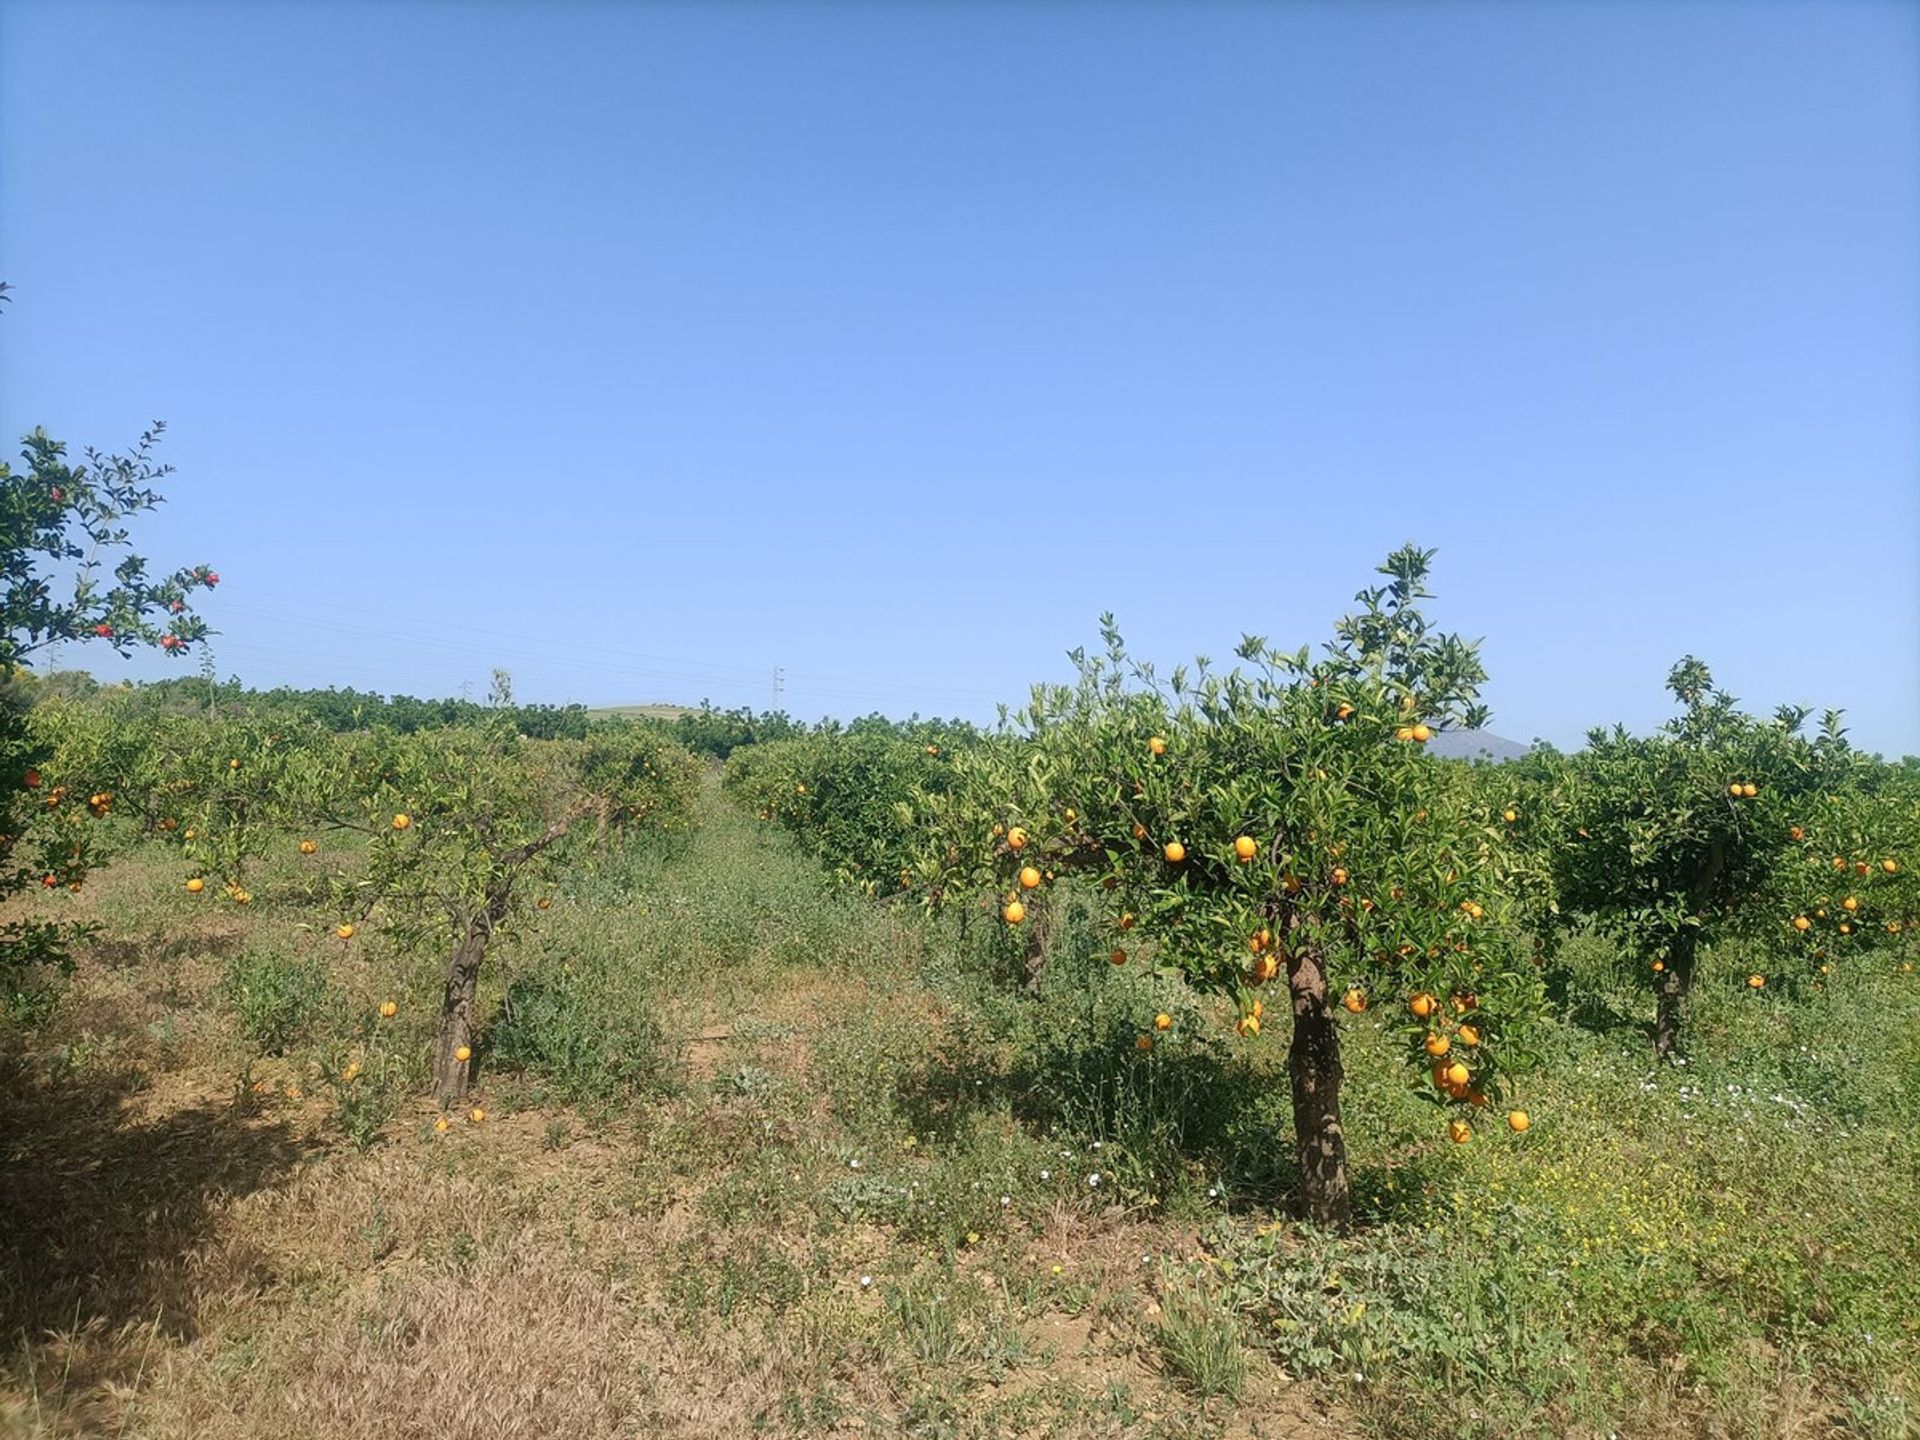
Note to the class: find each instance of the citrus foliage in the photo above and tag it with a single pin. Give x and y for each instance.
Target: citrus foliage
(343, 708)
(220, 789)
(1679, 839)
(68, 573)
(1847, 889)
(1282, 819)
(451, 821)
(438, 838)
(852, 799)
(718, 733)
(465, 829)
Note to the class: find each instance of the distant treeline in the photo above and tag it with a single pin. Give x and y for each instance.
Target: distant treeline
(715, 732)
(709, 730)
(339, 710)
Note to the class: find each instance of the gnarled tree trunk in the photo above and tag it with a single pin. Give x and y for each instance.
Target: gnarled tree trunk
(456, 1015)
(450, 1073)
(1035, 959)
(1314, 1063)
(1675, 983)
(1683, 957)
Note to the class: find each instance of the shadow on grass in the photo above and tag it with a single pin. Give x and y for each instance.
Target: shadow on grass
(1587, 1007)
(1186, 1111)
(108, 1220)
(1190, 1112)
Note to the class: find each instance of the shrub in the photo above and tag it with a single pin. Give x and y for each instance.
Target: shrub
(584, 1033)
(853, 799)
(277, 998)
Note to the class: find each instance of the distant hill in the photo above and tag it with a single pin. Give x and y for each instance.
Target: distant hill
(1476, 745)
(650, 712)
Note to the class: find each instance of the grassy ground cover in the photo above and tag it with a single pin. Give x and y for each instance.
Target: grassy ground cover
(760, 1156)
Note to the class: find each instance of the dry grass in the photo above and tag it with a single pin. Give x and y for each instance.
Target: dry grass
(475, 1285)
(180, 1257)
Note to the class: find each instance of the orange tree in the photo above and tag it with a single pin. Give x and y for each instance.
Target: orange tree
(853, 799)
(1676, 840)
(439, 837)
(68, 573)
(218, 787)
(1846, 890)
(1279, 825)
(462, 829)
(1522, 794)
(718, 733)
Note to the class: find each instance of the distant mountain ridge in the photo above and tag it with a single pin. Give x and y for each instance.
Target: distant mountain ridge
(1476, 745)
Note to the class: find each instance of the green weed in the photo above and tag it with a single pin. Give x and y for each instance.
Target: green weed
(277, 998)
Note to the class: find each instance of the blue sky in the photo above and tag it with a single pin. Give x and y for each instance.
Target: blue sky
(640, 349)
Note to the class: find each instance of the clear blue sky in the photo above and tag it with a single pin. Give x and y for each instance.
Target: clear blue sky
(642, 348)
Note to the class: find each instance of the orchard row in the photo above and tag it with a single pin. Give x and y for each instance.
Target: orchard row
(1284, 824)
(437, 840)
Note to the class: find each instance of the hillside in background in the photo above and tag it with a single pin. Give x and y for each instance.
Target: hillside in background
(1476, 745)
(646, 712)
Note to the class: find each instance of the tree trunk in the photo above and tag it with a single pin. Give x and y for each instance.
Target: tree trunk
(1675, 982)
(1035, 959)
(456, 1013)
(1314, 1062)
(450, 1073)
